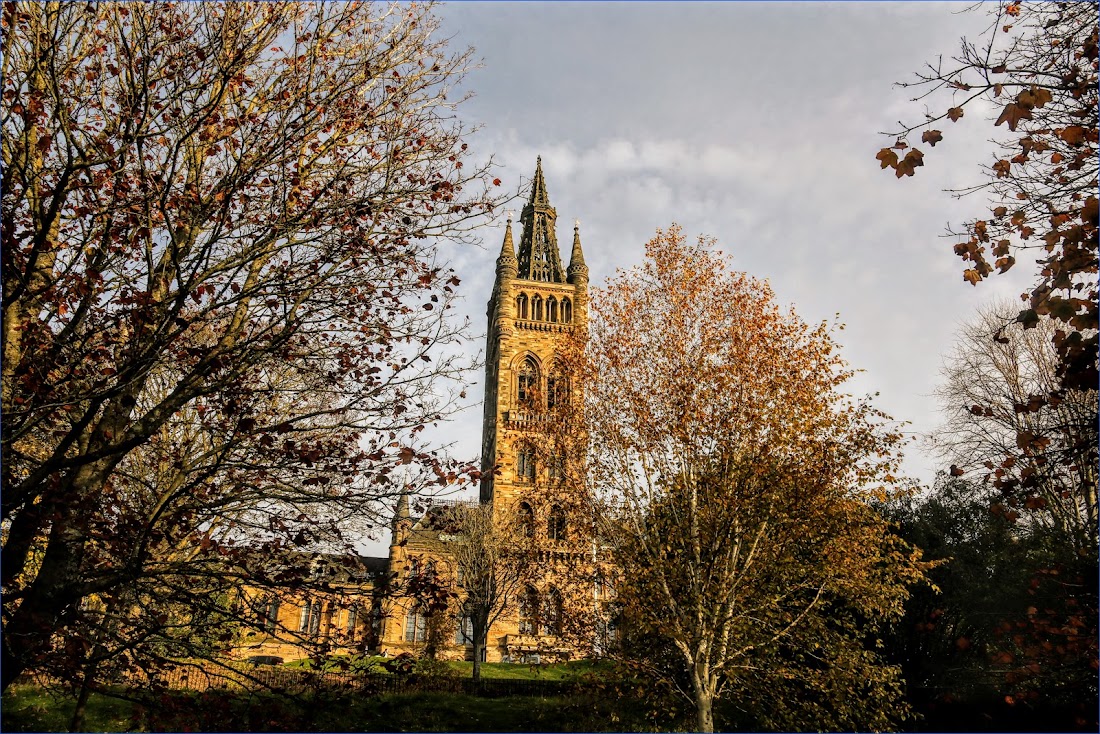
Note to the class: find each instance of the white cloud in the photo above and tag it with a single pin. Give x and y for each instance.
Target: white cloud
(753, 122)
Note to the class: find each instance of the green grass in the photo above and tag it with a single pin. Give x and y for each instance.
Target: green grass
(30, 708)
(571, 670)
(27, 708)
(521, 671)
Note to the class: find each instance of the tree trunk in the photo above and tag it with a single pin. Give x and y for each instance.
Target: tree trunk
(704, 710)
(704, 701)
(478, 647)
(77, 722)
(27, 632)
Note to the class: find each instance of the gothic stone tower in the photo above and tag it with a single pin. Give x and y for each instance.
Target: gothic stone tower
(535, 305)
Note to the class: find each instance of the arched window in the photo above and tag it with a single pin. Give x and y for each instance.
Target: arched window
(557, 467)
(353, 619)
(270, 614)
(525, 464)
(528, 612)
(521, 306)
(566, 311)
(557, 391)
(557, 525)
(551, 310)
(527, 384)
(536, 308)
(526, 519)
(416, 625)
(414, 567)
(551, 612)
(464, 631)
(310, 619)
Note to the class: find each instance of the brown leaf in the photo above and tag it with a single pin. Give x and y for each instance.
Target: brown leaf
(909, 164)
(931, 137)
(1012, 114)
(954, 114)
(1035, 97)
(972, 276)
(1074, 135)
(888, 158)
(1002, 168)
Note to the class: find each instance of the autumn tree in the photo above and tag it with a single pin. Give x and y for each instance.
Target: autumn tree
(222, 302)
(731, 478)
(491, 567)
(1042, 458)
(1036, 68)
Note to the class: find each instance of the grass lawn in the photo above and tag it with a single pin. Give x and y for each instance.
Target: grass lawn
(521, 671)
(28, 708)
(567, 671)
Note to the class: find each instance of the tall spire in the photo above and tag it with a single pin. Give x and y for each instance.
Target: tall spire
(538, 250)
(506, 261)
(578, 270)
(538, 186)
(401, 517)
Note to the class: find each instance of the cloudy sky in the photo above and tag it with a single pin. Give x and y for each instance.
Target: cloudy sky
(756, 123)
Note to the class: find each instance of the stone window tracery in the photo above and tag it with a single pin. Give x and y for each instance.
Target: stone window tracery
(525, 464)
(416, 625)
(527, 384)
(526, 519)
(557, 525)
(557, 391)
(528, 611)
(551, 612)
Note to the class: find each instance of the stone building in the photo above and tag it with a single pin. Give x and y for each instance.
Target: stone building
(535, 306)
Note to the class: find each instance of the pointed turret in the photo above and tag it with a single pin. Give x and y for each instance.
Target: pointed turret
(538, 251)
(402, 520)
(538, 186)
(578, 270)
(507, 264)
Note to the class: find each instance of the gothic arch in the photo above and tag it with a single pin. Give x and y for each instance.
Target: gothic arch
(529, 611)
(557, 525)
(526, 519)
(550, 617)
(557, 387)
(521, 306)
(528, 382)
(526, 466)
